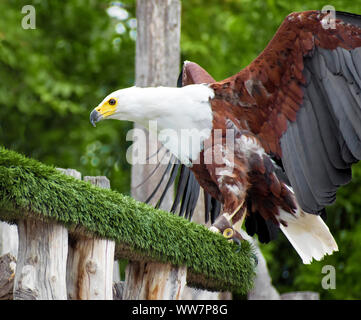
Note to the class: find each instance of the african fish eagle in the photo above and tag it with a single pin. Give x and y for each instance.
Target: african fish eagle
(295, 118)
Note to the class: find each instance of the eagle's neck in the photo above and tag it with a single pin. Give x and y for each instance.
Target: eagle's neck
(182, 117)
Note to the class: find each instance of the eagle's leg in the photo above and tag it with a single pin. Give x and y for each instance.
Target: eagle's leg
(229, 172)
(225, 224)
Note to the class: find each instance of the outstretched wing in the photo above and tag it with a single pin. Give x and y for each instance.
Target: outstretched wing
(301, 97)
(187, 186)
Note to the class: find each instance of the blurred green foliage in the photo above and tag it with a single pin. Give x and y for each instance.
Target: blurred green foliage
(53, 76)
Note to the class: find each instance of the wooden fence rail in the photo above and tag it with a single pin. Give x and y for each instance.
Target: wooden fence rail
(71, 231)
(54, 265)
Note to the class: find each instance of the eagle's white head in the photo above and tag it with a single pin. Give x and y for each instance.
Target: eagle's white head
(122, 104)
(163, 104)
(174, 109)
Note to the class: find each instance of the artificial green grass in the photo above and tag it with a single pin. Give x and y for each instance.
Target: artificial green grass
(29, 188)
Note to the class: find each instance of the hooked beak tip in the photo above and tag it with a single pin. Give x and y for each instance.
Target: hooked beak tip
(95, 116)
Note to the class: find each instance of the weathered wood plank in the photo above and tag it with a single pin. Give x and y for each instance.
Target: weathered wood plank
(154, 281)
(92, 269)
(7, 274)
(41, 264)
(90, 263)
(41, 267)
(300, 295)
(118, 288)
(9, 239)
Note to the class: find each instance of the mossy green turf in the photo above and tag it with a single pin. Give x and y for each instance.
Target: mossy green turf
(29, 188)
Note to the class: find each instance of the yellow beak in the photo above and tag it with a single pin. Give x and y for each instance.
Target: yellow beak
(101, 112)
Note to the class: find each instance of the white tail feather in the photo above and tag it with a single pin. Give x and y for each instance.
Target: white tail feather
(309, 235)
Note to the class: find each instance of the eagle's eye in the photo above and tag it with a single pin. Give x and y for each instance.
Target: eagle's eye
(112, 102)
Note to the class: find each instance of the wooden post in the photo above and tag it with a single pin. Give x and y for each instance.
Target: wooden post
(41, 263)
(9, 239)
(154, 281)
(157, 64)
(41, 266)
(90, 263)
(7, 273)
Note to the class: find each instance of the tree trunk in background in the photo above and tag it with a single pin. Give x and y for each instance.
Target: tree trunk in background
(157, 64)
(263, 288)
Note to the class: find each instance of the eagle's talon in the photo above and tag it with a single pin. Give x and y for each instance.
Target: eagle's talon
(238, 242)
